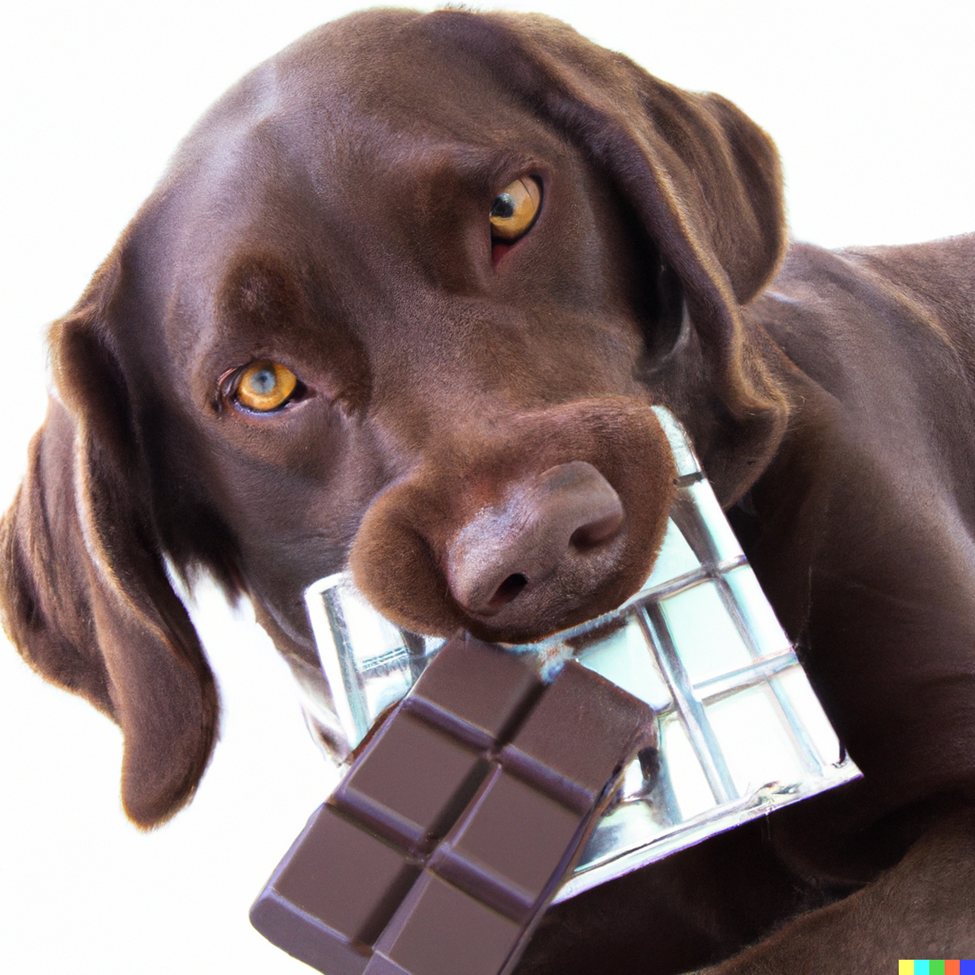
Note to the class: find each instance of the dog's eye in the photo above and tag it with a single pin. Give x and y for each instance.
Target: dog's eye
(515, 208)
(264, 386)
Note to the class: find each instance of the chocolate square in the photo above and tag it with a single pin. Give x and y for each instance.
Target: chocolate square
(578, 735)
(440, 930)
(330, 903)
(511, 847)
(412, 801)
(477, 691)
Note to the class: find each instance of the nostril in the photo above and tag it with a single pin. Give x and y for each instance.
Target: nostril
(597, 530)
(507, 591)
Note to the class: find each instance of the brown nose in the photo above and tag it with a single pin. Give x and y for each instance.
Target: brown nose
(534, 545)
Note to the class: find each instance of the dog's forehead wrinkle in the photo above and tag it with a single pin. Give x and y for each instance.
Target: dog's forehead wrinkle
(448, 107)
(337, 96)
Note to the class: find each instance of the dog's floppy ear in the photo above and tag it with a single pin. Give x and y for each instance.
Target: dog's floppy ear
(702, 178)
(83, 586)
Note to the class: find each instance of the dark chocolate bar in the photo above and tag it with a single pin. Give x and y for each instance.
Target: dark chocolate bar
(440, 848)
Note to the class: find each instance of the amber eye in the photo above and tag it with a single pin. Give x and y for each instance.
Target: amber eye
(264, 386)
(515, 208)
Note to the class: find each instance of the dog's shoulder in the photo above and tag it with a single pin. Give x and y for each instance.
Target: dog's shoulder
(876, 312)
(938, 275)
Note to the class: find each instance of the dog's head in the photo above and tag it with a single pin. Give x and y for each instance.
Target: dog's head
(403, 300)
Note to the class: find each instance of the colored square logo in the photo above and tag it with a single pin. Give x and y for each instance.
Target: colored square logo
(917, 966)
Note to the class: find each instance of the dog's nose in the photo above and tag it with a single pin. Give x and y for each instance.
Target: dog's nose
(472, 537)
(539, 537)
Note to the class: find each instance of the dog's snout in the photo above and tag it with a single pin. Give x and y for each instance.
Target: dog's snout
(516, 537)
(512, 550)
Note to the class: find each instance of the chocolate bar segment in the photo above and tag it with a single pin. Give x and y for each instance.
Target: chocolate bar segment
(476, 692)
(411, 801)
(576, 737)
(507, 847)
(333, 894)
(442, 930)
(442, 845)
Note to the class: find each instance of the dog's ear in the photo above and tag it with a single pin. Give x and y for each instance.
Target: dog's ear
(703, 179)
(83, 585)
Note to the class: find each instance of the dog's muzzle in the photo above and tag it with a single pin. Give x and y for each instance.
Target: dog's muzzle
(551, 519)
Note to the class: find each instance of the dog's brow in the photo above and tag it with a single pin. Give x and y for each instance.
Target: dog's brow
(259, 291)
(260, 307)
(499, 165)
(484, 166)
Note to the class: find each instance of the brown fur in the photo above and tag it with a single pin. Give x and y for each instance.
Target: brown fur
(330, 213)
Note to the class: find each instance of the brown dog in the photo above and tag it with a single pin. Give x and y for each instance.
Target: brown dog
(410, 288)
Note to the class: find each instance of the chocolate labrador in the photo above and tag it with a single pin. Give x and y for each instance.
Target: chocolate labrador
(403, 302)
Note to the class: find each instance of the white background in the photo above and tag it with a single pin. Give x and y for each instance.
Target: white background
(871, 104)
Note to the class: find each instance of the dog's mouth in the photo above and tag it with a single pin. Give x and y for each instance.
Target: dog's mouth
(740, 730)
(508, 573)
